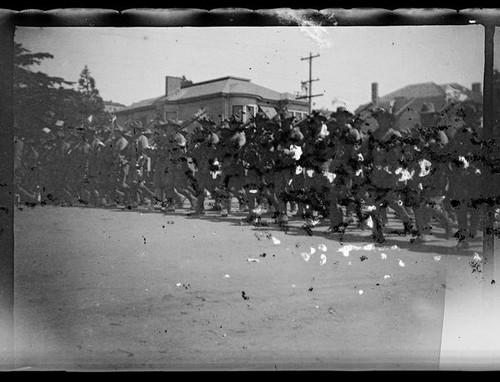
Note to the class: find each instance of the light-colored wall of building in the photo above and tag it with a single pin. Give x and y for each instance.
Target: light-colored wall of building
(213, 107)
(218, 107)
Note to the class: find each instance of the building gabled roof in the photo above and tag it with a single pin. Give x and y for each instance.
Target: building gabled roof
(254, 89)
(461, 90)
(425, 90)
(201, 89)
(224, 85)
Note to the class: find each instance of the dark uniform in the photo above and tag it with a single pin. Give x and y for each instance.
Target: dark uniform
(203, 151)
(384, 152)
(465, 174)
(346, 165)
(233, 139)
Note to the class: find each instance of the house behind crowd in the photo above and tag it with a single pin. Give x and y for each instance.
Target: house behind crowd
(220, 98)
(418, 103)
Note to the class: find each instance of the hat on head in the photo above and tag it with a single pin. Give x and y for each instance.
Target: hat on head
(212, 139)
(179, 140)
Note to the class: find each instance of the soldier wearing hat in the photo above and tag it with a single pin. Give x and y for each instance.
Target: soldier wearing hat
(81, 157)
(122, 149)
(465, 170)
(383, 151)
(232, 140)
(203, 150)
(178, 171)
(109, 170)
(143, 151)
(137, 156)
(348, 184)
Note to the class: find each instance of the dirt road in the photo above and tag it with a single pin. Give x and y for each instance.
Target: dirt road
(100, 289)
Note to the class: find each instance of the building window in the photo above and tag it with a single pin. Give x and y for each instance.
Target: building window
(251, 111)
(237, 111)
(298, 114)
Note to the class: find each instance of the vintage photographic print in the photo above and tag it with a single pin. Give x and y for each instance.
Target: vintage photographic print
(245, 190)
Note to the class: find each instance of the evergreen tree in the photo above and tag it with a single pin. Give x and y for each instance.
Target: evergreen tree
(92, 103)
(40, 100)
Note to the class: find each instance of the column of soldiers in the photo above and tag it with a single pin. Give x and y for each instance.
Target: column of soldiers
(320, 167)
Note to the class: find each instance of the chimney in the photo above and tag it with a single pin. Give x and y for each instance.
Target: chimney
(476, 89)
(374, 93)
(172, 85)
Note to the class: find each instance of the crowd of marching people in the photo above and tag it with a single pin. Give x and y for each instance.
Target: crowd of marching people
(322, 167)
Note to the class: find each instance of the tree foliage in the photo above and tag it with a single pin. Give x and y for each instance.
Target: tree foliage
(91, 102)
(40, 100)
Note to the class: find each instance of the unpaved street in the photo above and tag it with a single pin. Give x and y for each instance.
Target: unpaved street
(112, 289)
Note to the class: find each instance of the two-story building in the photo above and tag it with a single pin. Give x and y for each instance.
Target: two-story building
(418, 103)
(220, 98)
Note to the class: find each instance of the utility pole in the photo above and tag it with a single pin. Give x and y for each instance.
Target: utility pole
(310, 81)
(488, 122)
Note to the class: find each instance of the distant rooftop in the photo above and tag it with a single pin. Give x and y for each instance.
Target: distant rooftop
(426, 90)
(222, 85)
(112, 103)
(217, 80)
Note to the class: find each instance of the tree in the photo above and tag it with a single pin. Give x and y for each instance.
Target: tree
(40, 100)
(91, 102)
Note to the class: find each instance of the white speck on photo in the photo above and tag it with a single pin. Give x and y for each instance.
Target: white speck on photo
(383, 256)
(322, 247)
(401, 263)
(305, 256)
(369, 222)
(346, 249)
(323, 259)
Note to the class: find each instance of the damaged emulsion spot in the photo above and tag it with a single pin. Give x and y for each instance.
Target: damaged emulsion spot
(475, 263)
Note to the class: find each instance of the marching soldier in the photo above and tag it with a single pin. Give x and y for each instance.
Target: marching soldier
(383, 153)
(465, 172)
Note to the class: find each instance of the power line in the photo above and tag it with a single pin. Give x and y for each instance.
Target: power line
(310, 81)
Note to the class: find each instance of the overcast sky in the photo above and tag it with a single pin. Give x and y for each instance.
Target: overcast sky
(129, 64)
